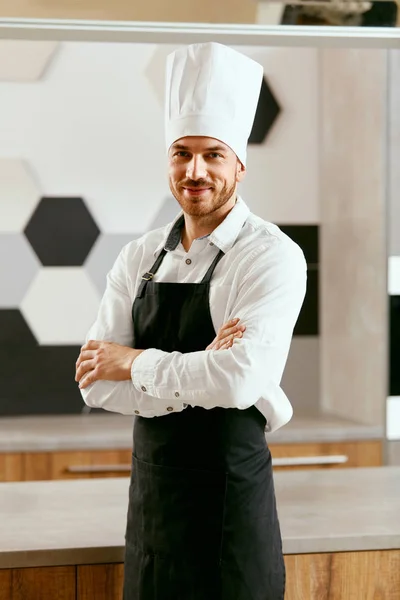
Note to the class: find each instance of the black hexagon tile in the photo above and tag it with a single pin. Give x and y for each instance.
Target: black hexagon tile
(39, 380)
(267, 112)
(307, 237)
(308, 321)
(62, 231)
(394, 345)
(14, 331)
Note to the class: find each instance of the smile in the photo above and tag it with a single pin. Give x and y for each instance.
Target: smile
(196, 191)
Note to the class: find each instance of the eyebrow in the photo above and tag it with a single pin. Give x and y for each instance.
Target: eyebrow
(210, 149)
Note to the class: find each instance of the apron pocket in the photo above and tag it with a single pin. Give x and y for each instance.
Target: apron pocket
(175, 512)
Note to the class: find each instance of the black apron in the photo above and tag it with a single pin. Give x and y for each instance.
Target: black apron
(202, 521)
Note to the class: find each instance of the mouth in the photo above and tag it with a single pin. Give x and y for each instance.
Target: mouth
(196, 191)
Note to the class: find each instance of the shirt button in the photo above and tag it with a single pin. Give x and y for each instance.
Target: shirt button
(188, 261)
(176, 394)
(211, 244)
(137, 412)
(169, 408)
(144, 389)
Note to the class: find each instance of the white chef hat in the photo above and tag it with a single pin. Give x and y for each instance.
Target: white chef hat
(212, 91)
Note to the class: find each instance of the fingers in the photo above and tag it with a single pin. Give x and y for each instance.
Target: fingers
(89, 378)
(227, 342)
(229, 329)
(85, 355)
(226, 335)
(91, 345)
(84, 367)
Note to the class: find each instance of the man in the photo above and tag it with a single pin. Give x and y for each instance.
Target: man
(202, 521)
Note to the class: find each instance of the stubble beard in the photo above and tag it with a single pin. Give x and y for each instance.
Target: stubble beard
(199, 208)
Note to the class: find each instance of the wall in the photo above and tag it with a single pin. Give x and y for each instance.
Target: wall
(353, 237)
(393, 403)
(82, 171)
(209, 11)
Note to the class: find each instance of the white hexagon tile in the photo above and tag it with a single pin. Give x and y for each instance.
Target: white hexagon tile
(19, 194)
(60, 305)
(18, 266)
(103, 255)
(22, 60)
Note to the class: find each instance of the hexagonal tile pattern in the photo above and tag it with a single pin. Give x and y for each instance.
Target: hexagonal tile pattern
(394, 345)
(14, 331)
(103, 255)
(155, 71)
(39, 380)
(18, 267)
(267, 112)
(19, 194)
(60, 306)
(167, 213)
(28, 59)
(62, 231)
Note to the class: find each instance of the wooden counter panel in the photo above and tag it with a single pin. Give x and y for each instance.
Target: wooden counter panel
(335, 576)
(11, 467)
(44, 583)
(343, 576)
(102, 582)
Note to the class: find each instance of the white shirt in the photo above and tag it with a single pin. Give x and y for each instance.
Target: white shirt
(261, 281)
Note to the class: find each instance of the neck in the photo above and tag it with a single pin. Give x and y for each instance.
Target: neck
(198, 226)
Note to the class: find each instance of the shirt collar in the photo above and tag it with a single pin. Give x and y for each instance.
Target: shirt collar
(224, 236)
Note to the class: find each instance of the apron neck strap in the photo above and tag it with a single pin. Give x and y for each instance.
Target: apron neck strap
(209, 274)
(148, 276)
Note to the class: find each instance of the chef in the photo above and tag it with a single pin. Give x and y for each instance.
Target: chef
(202, 521)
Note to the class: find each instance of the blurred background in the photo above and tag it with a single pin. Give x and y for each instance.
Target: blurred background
(83, 172)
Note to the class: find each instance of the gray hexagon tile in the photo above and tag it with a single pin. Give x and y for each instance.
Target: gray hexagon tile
(60, 305)
(18, 266)
(19, 194)
(103, 255)
(29, 59)
(155, 70)
(167, 213)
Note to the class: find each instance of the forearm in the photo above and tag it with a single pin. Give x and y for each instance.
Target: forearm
(234, 378)
(122, 397)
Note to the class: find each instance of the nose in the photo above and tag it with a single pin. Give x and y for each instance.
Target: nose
(196, 168)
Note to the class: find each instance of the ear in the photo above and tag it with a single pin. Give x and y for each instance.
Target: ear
(240, 171)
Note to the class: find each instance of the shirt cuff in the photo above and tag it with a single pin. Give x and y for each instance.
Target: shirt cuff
(143, 370)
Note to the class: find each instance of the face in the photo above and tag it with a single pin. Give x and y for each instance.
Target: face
(203, 174)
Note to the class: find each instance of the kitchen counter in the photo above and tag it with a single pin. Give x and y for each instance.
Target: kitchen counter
(113, 431)
(83, 522)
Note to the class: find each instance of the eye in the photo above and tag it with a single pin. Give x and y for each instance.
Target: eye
(181, 153)
(215, 155)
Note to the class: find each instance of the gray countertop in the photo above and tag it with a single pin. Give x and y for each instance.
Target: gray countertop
(113, 431)
(83, 521)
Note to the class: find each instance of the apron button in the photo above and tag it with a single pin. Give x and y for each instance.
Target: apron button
(143, 389)
(176, 394)
(188, 261)
(169, 408)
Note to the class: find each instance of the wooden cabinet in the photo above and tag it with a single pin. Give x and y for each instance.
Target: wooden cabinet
(11, 467)
(339, 576)
(36, 466)
(327, 455)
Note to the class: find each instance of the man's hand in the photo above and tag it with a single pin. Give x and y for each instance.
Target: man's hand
(226, 335)
(104, 360)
